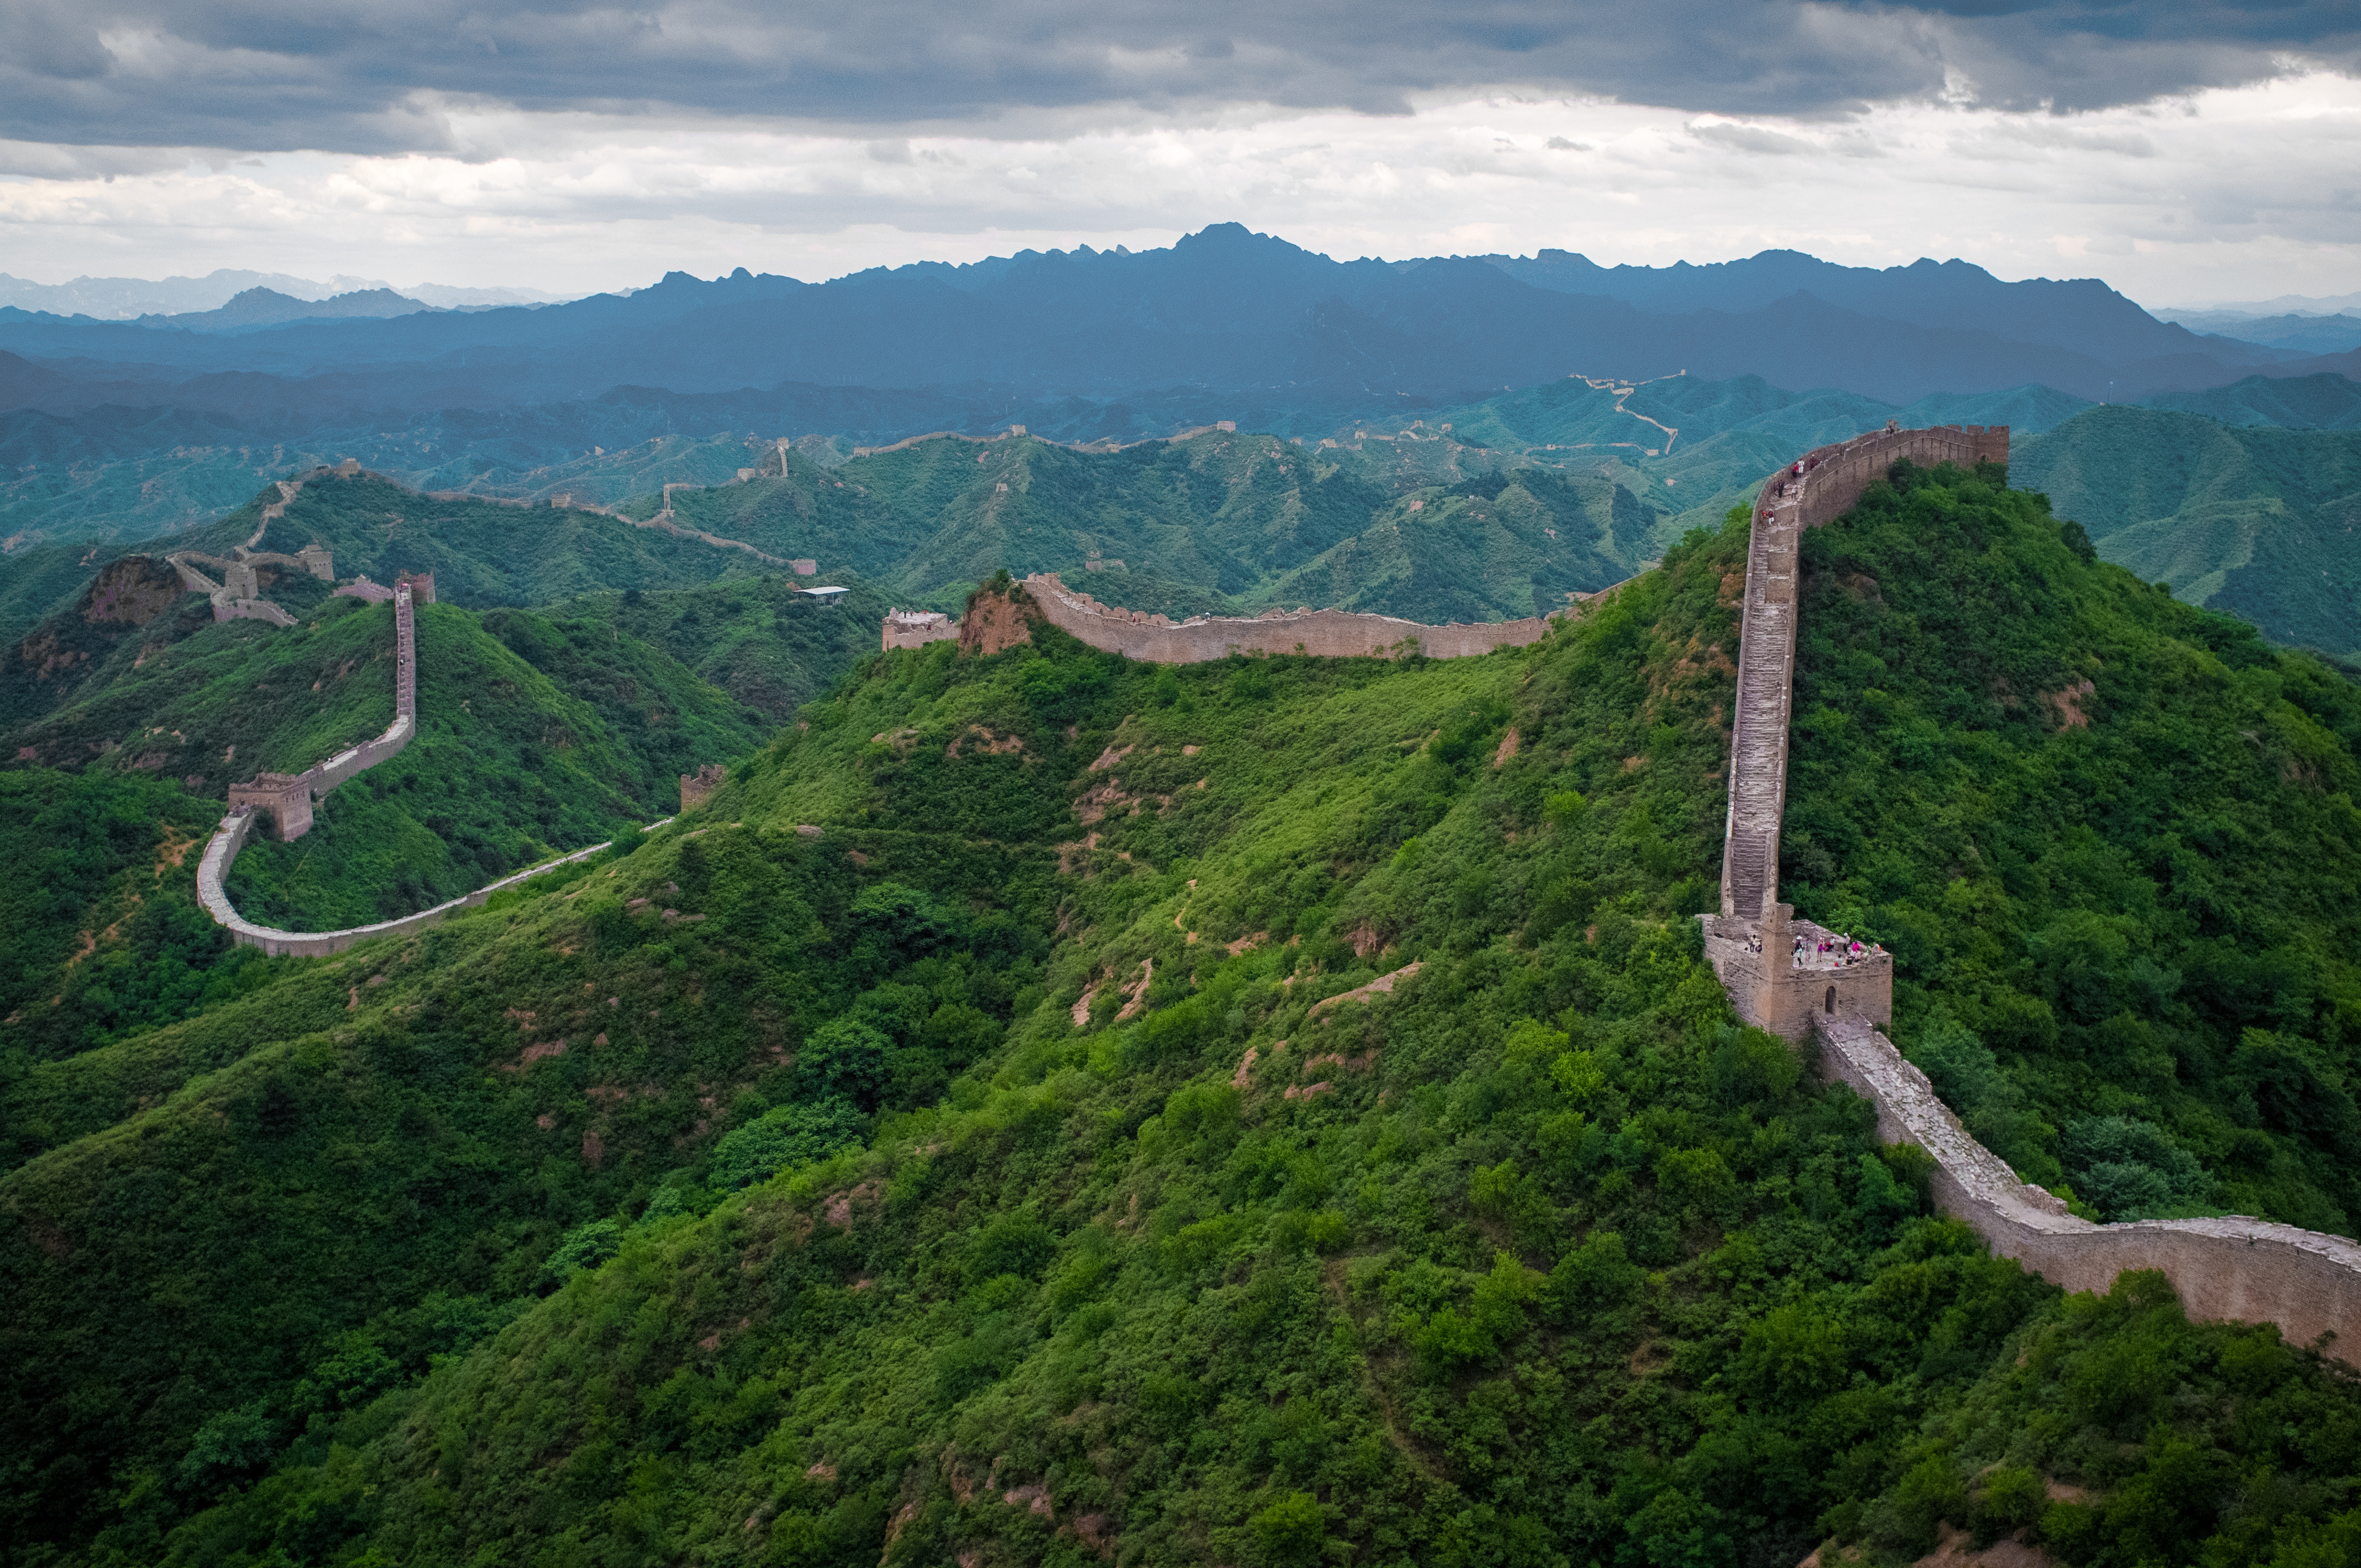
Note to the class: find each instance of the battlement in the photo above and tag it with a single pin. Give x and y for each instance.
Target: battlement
(1773, 986)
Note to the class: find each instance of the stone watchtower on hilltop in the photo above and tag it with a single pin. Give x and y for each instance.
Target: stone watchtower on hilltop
(1774, 965)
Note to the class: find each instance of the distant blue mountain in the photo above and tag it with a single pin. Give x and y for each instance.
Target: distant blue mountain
(1219, 323)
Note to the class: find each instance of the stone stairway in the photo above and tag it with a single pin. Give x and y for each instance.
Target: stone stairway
(1766, 664)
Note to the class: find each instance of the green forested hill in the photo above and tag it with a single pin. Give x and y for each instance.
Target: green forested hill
(759, 640)
(2257, 522)
(1022, 1169)
(482, 554)
(2112, 842)
(536, 735)
(1418, 527)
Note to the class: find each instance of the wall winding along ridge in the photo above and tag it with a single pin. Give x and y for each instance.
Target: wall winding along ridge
(1331, 633)
(289, 797)
(2245, 1269)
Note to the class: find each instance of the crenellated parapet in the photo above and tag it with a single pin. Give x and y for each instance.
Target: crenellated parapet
(1782, 974)
(1329, 633)
(917, 628)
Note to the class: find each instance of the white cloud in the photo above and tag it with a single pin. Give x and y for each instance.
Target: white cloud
(2237, 193)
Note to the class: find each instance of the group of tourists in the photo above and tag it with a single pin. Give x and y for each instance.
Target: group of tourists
(1840, 951)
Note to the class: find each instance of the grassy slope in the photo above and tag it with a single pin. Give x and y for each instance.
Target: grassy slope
(827, 515)
(284, 698)
(538, 736)
(2254, 521)
(481, 553)
(760, 640)
(2147, 917)
(105, 935)
(1560, 1265)
(336, 1150)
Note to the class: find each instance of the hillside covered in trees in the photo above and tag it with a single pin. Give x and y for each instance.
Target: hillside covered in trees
(1269, 1111)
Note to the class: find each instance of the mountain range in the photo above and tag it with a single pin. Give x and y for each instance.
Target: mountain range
(2238, 496)
(1224, 323)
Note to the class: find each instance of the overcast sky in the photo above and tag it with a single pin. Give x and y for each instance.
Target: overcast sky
(2188, 153)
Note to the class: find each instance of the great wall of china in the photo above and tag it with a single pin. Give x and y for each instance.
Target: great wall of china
(287, 799)
(2306, 1283)
(2244, 1269)
(1159, 639)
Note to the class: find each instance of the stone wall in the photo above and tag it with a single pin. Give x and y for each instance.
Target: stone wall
(280, 792)
(1830, 480)
(214, 871)
(286, 798)
(2244, 1269)
(2247, 1270)
(1769, 991)
(1330, 634)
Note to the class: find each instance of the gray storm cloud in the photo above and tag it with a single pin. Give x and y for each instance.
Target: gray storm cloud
(345, 76)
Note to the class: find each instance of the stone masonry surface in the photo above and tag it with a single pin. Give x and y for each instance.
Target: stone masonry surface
(1331, 634)
(1832, 480)
(280, 792)
(2244, 1269)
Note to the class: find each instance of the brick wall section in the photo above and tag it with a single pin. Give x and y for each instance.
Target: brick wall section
(286, 798)
(1331, 634)
(224, 849)
(2244, 1269)
(1833, 479)
(212, 871)
(1769, 991)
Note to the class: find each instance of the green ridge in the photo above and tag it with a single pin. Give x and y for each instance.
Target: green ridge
(1560, 1265)
(2256, 522)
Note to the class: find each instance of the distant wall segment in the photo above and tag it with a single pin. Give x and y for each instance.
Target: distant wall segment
(917, 628)
(1329, 633)
(2243, 1269)
(288, 796)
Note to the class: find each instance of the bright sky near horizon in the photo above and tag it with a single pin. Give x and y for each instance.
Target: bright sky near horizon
(2188, 154)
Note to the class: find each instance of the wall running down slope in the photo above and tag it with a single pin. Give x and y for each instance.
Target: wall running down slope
(289, 797)
(2244, 1269)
